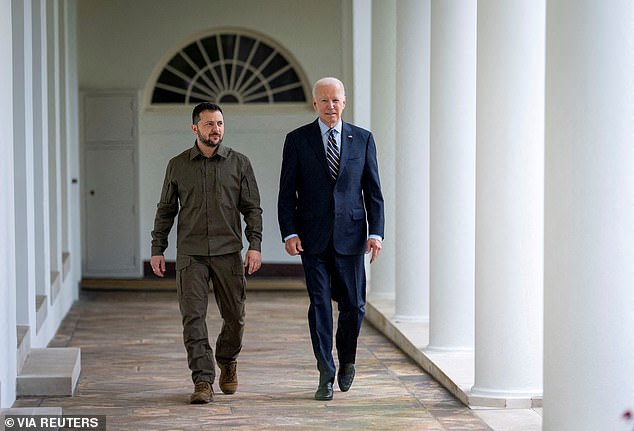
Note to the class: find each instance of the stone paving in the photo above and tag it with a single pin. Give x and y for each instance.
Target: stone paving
(134, 371)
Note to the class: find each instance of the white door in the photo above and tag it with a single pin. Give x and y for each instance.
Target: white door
(111, 225)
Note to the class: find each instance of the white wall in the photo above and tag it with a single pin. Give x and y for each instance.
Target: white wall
(141, 35)
(138, 34)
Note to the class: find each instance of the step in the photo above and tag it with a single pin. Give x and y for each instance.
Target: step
(49, 372)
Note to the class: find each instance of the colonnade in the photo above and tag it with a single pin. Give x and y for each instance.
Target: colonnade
(512, 171)
(39, 215)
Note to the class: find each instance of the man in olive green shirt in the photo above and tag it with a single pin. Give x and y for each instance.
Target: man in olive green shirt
(212, 185)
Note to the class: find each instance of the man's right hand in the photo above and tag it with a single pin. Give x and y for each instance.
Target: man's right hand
(158, 265)
(293, 246)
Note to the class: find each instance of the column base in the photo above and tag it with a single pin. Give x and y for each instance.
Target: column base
(447, 349)
(454, 369)
(410, 319)
(504, 399)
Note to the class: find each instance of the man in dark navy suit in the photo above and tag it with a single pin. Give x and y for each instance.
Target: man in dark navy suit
(330, 211)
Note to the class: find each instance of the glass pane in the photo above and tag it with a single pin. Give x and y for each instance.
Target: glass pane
(179, 63)
(246, 45)
(210, 45)
(164, 96)
(168, 78)
(261, 54)
(286, 78)
(228, 42)
(193, 52)
(294, 95)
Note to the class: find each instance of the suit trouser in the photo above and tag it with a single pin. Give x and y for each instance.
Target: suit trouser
(193, 274)
(332, 276)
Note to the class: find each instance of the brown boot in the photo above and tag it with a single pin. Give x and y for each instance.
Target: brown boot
(228, 377)
(203, 393)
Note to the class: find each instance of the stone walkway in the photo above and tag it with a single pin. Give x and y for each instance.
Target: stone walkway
(134, 371)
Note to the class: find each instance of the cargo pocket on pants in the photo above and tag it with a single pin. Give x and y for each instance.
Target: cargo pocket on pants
(182, 262)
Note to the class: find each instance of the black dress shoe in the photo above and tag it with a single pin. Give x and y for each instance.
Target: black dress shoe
(324, 392)
(345, 376)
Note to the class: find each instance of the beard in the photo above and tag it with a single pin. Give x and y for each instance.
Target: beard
(208, 141)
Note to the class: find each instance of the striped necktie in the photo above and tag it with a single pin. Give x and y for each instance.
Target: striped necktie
(332, 156)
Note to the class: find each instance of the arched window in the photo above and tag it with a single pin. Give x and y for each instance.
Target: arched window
(230, 67)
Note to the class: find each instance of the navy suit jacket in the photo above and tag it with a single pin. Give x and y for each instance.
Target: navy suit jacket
(317, 209)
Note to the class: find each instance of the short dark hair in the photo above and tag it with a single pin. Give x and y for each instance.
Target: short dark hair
(204, 106)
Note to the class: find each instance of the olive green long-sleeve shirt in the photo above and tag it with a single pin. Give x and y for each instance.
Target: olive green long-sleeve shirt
(211, 193)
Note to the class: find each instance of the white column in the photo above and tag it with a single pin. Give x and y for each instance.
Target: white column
(589, 217)
(383, 270)
(63, 131)
(23, 158)
(452, 172)
(54, 153)
(413, 21)
(41, 149)
(362, 61)
(72, 136)
(509, 199)
(7, 222)
(72, 118)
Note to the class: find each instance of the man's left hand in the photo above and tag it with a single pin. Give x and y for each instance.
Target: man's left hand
(374, 245)
(252, 261)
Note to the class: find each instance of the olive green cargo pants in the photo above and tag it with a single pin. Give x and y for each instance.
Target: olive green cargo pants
(226, 273)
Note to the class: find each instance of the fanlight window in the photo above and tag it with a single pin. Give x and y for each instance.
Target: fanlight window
(228, 68)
